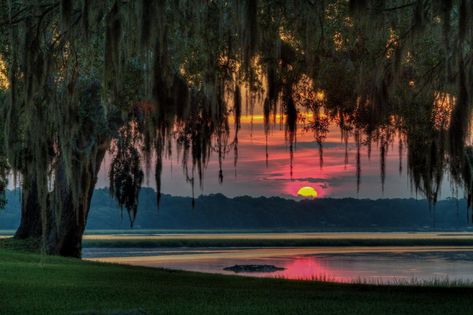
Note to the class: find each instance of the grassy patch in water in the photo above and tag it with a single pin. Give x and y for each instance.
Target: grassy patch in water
(256, 242)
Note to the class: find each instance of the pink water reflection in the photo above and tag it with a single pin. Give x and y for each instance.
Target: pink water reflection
(312, 268)
(389, 266)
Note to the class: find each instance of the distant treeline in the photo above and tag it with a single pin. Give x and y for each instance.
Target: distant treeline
(274, 213)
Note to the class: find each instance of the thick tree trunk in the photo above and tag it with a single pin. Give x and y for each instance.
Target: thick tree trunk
(66, 220)
(30, 224)
(64, 228)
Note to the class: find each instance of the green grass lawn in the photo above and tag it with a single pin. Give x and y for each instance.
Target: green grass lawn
(54, 285)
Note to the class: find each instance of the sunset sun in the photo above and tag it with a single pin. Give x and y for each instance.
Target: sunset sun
(307, 192)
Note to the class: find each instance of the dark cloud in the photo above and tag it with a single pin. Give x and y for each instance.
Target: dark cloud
(314, 145)
(273, 175)
(323, 182)
(306, 179)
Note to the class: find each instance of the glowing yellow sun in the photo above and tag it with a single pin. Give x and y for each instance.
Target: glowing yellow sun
(307, 192)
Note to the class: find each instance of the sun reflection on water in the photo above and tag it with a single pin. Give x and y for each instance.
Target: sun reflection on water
(311, 268)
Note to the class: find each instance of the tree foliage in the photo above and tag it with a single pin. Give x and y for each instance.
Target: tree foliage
(150, 77)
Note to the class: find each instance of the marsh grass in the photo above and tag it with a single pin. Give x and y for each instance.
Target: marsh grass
(255, 242)
(443, 282)
(436, 282)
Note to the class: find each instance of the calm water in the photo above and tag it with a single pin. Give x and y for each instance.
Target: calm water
(341, 264)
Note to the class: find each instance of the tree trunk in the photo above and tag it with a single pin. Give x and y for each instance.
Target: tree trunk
(30, 222)
(67, 216)
(64, 228)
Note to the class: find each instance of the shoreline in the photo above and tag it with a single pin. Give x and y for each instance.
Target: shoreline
(367, 265)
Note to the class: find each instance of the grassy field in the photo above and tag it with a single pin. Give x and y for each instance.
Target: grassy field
(30, 284)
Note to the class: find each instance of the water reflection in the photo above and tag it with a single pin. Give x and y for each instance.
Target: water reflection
(304, 267)
(367, 265)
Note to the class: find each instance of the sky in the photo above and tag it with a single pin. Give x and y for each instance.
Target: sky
(252, 177)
